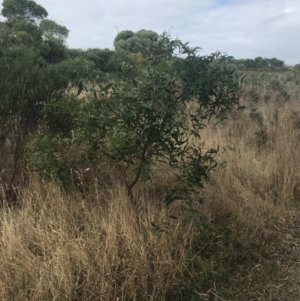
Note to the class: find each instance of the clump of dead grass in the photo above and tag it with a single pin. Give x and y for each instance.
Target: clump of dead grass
(61, 248)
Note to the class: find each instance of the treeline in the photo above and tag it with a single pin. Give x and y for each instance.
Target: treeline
(259, 63)
(263, 64)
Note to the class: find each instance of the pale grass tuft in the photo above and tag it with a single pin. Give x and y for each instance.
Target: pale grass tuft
(58, 248)
(262, 177)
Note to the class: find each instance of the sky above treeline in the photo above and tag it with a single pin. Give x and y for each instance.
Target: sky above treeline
(241, 28)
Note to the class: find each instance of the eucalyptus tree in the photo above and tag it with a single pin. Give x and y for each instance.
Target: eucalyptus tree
(139, 117)
(51, 30)
(129, 41)
(23, 9)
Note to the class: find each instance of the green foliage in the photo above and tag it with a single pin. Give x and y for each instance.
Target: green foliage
(20, 77)
(51, 30)
(297, 67)
(5, 35)
(140, 116)
(22, 95)
(59, 114)
(102, 58)
(133, 42)
(53, 51)
(73, 53)
(26, 33)
(48, 38)
(49, 152)
(22, 9)
(124, 35)
(259, 63)
(27, 85)
(275, 63)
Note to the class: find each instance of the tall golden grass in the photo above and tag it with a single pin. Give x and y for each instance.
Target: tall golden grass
(91, 246)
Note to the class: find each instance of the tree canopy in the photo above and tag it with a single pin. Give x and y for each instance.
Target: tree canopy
(51, 29)
(23, 9)
(133, 42)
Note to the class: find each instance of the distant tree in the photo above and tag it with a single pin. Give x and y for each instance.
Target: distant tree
(102, 58)
(275, 63)
(54, 35)
(124, 35)
(249, 64)
(134, 42)
(146, 35)
(51, 29)
(239, 63)
(22, 9)
(297, 67)
(260, 63)
(24, 32)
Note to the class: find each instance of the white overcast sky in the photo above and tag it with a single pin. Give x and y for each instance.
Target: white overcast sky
(241, 28)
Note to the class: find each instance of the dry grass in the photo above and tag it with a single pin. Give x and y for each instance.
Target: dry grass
(61, 248)
(58, 246)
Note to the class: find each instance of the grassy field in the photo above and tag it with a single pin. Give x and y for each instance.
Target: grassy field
(244, 245)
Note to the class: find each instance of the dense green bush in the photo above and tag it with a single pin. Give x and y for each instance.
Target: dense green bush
(34, 78)
(140, 116)
(27, 86)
